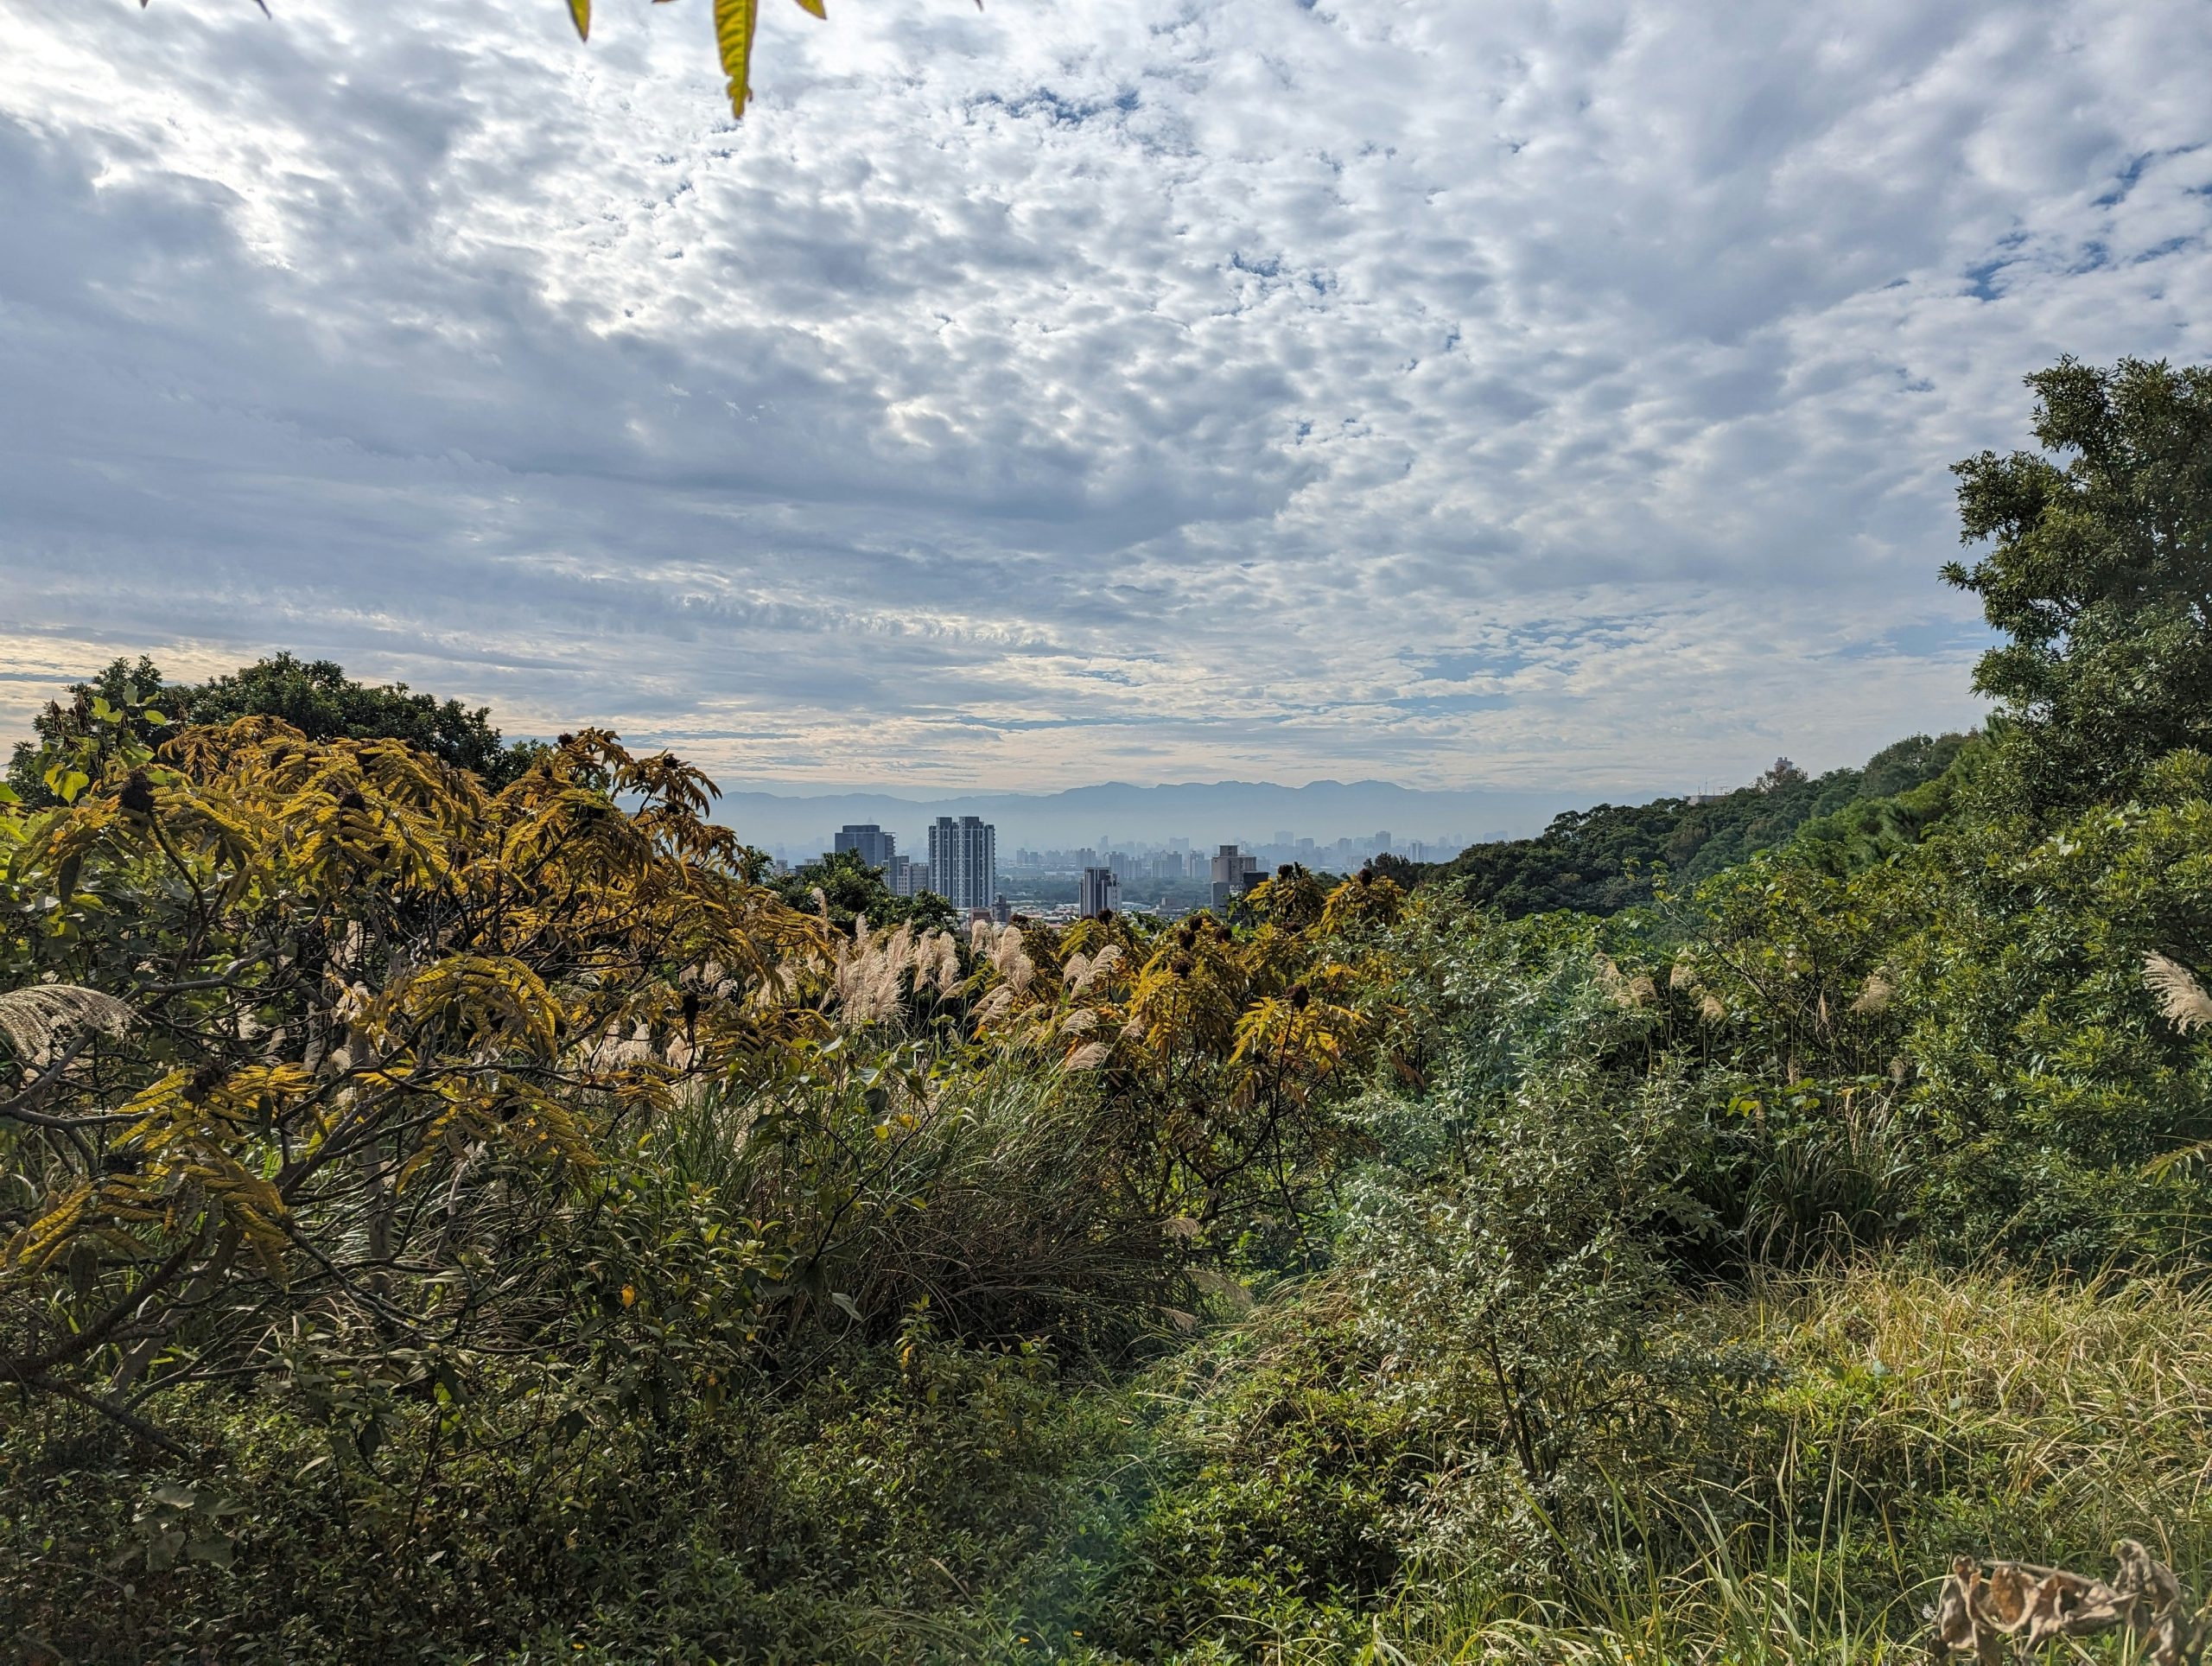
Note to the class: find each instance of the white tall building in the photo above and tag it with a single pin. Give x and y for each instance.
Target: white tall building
(964, 861)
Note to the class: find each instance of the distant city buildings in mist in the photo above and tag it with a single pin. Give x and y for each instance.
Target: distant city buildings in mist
(1171, 876)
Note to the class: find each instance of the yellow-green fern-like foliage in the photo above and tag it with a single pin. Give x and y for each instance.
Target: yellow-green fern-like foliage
(306, 1033)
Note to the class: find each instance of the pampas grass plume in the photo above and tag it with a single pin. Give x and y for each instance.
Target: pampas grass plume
(37, 1016)
(2182, 1000)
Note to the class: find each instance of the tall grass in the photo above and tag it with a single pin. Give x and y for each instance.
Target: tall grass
(988, 1199)
(1913, 1417)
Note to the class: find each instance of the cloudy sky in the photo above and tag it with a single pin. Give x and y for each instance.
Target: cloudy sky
(1458, 393)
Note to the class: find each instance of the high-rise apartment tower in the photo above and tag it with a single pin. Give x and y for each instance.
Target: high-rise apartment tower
(964, 861)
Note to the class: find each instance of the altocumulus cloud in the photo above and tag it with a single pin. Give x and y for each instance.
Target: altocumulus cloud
(1454, 390)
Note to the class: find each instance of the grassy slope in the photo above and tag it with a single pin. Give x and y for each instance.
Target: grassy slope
(967, 1511)
(1912, 1415)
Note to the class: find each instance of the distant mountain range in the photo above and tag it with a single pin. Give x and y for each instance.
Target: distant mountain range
(1205, 812)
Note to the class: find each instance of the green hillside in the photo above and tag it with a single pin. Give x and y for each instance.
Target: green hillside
(1602, 860)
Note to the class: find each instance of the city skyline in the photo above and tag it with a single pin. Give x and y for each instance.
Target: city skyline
(961, 868)
(1140, 855)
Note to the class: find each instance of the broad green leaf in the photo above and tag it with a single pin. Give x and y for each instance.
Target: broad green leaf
(581, 10)
(816, 7)
(733, 21)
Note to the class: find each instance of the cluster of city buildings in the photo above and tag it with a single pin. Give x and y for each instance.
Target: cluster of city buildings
(961, 865)
(1177, 859)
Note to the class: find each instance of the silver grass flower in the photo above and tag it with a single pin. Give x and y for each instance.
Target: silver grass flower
(1013, 961)
(947, 955)
(38, 1015)
(1082, 974)
(2182, 1000)
(1620, 988)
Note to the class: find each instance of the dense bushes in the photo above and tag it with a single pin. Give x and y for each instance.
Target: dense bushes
(840, 1349)
(851, 1519)
(843, 1353)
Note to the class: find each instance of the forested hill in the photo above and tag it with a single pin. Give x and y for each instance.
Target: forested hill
(1605, 859)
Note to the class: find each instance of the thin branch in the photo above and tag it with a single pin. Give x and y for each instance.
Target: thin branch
(107, 1408)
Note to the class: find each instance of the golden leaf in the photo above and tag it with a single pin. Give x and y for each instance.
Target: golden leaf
(581, 10)
(733, 21)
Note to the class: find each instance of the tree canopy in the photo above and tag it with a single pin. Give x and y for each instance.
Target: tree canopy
(313, 697)
(844, 886)
(1606, 858)
(2099, 570)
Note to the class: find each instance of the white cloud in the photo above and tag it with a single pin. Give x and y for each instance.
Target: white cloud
(1452, 393)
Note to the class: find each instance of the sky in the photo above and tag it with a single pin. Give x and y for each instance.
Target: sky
(1452, 393)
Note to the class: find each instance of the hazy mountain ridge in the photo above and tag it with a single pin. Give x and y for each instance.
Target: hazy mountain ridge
(1205, 812)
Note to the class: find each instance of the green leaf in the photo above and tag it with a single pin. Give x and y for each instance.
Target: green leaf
(814, 6)
(9, 795)
(581, 10)
(734, 23)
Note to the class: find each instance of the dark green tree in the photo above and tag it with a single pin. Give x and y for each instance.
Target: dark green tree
(135, 695)
(315, 696)
(1606, 858)
(2099, 569)
(851, 888)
